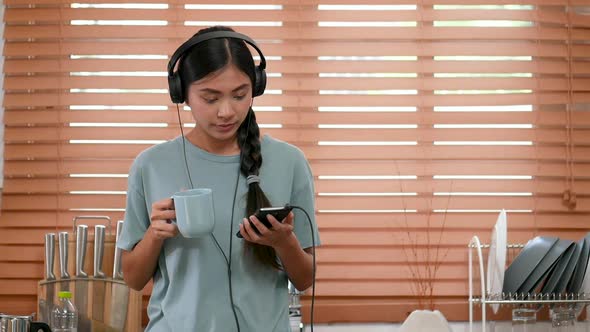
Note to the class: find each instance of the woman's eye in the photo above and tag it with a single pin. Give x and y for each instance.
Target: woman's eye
(210, 100)
(240, 97)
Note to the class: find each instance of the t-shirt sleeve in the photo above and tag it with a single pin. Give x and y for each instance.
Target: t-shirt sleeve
(137, 219)
(303, 195)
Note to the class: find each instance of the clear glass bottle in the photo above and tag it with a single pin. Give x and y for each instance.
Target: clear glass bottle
(64, 317)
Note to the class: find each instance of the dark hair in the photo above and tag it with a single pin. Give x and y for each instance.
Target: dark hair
(208, 57)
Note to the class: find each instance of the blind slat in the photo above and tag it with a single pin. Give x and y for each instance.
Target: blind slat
(547, 204)
(557, 136)
(52, 100)
(319, 33)
(557, 169)
(352, 187)
(49, 221)
(45, 186)
(319, 48)
(288, 14)
(116, 151)
(541, 119)
(417, 203)
(542, 187)
(48, 168)
(446, 167)
(402, 223)
(312, 84)
(305, 65)
(371, 238)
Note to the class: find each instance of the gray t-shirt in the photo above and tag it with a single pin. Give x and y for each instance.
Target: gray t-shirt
(191, 285)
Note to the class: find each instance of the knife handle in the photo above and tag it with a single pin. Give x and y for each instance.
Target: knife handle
(63, 255)
(81, 236)
(49, 255)
(117, 273)
(98, 250)
(107, 218)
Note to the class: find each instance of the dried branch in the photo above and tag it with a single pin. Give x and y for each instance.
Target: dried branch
(424, 272)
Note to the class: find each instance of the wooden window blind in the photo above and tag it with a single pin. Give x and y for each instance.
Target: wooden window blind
(2, 95)
(421, 121)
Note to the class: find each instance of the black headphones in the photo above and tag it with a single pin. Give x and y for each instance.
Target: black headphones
(174, 83)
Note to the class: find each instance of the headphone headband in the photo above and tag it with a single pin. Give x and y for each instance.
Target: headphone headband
(174, 82)
(212, 35)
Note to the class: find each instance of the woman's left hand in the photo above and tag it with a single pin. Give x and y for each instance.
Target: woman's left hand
(271, 237)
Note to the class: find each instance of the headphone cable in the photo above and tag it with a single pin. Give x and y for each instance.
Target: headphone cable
(227, 261)
(313, 260)
(188, 173)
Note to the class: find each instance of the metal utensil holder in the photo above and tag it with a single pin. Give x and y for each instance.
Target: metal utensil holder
(532, 299)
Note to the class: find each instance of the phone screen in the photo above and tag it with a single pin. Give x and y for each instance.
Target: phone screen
(279, 213)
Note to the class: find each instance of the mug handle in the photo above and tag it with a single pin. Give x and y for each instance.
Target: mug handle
(171, 221)
(36, 326)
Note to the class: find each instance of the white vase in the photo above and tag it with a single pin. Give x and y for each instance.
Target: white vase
(426, 321)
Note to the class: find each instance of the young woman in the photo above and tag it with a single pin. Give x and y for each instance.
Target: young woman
(219, 282)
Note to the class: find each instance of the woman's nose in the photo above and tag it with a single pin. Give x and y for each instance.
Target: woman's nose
(225, 109)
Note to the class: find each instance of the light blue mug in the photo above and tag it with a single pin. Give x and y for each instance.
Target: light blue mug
(194, 212)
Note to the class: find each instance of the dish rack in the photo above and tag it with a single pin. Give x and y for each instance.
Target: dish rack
(486, 299)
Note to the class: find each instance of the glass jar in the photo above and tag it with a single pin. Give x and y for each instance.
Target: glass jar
(563, 319)
(524, 319)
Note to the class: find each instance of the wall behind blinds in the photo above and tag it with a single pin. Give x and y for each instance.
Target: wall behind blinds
(421, 121)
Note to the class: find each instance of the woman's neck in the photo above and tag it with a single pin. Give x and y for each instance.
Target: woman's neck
(223, 148)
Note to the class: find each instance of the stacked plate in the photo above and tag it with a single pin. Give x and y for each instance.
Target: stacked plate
(565, 250)
(497, 258)
(576, 284)
(531, 265)
(586, 282)
(546, 265)
(549, 265)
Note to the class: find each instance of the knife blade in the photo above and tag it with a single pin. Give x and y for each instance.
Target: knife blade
(81, 297)
(64, 276)
(119, 290)
(98, 289)
(47, 306)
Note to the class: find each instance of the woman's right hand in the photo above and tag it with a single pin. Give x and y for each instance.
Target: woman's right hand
(162, 212)
(140, 264)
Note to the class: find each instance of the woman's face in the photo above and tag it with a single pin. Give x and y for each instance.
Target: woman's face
(220, 103)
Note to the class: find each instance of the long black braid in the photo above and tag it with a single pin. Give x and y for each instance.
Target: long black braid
(251, 157)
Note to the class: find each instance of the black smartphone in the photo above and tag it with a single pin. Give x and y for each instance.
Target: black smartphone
(279, 212)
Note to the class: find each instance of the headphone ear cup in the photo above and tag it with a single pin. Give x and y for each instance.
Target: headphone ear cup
(260, 83)
(175, 88)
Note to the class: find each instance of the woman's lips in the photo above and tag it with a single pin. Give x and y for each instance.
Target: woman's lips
(225, 127)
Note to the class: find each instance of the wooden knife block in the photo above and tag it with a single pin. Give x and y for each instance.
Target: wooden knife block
(134, 302)
(134, 306)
